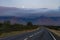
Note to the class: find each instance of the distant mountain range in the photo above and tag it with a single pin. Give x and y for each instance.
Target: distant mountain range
(41, 16)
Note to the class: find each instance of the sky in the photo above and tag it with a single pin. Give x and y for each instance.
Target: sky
(52, 4)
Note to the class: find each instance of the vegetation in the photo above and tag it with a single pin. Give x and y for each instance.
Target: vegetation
(8, 27)
(53, 27)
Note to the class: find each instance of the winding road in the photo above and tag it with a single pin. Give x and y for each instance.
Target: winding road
(39, 34)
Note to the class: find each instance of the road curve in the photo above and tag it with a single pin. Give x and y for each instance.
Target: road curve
(40, 34)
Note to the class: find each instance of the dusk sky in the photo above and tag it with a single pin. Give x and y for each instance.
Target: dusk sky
(31, 3)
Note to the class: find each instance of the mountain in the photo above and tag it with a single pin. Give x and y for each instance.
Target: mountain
(41, 16)
(42, 20)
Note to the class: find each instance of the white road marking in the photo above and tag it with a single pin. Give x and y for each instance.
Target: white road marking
(25, 38)
(52, 36)
(34, 34)
(31, 36)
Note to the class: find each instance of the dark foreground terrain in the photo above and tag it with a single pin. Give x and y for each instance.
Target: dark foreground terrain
(40, 34)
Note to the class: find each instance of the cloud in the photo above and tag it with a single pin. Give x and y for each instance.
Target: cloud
(31, 3)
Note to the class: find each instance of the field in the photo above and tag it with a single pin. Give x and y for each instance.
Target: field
(8, 34)
(57, 32)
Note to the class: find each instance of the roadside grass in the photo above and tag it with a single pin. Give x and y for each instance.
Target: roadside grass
(8, 34)
(57, 32)
(7, 29)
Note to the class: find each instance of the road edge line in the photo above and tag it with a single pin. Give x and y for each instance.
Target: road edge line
(52, 36)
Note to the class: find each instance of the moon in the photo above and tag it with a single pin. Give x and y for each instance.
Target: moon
(23, 7)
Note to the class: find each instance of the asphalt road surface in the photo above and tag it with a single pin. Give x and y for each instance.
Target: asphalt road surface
(40, 34)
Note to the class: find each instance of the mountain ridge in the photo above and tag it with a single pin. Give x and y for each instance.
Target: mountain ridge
(37, 20)
(36, 16)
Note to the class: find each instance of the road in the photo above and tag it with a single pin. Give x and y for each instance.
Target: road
(40, 34)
